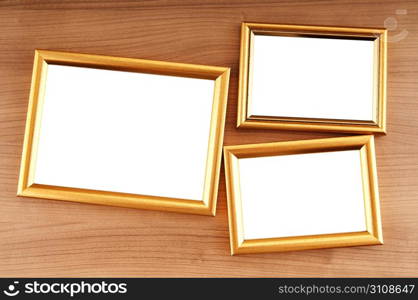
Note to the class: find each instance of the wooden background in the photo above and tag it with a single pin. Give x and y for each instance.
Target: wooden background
(53, 238)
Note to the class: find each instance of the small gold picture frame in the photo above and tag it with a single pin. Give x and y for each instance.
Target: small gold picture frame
(299, 195)
(319, 78)
(124, 132)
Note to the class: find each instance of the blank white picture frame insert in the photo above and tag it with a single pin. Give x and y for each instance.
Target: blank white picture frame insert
(309, 77)
(124, 132)
(302, 194)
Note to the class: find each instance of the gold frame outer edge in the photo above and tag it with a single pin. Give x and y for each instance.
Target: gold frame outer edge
(244, 120)
(26, 185)
(373, 234)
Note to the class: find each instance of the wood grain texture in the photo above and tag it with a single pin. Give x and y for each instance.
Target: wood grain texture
(54, 238)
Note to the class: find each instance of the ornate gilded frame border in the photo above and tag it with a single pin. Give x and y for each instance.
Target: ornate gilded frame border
(245, 120)
(26, 185)
(372, 236)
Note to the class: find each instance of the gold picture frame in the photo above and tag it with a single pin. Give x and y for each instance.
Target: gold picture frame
(205, 206)
(371, 236)
(377, 124)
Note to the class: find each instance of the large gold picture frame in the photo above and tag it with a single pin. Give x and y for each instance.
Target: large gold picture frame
(205, 206)
(246, 120)
(371, 236)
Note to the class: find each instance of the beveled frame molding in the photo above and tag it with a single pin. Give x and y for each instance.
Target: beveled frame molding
(372, 236)
(26, 185)
(244, 120)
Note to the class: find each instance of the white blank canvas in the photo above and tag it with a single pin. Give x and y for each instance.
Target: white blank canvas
(124, 132)
(302, 194)
(312, 78)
